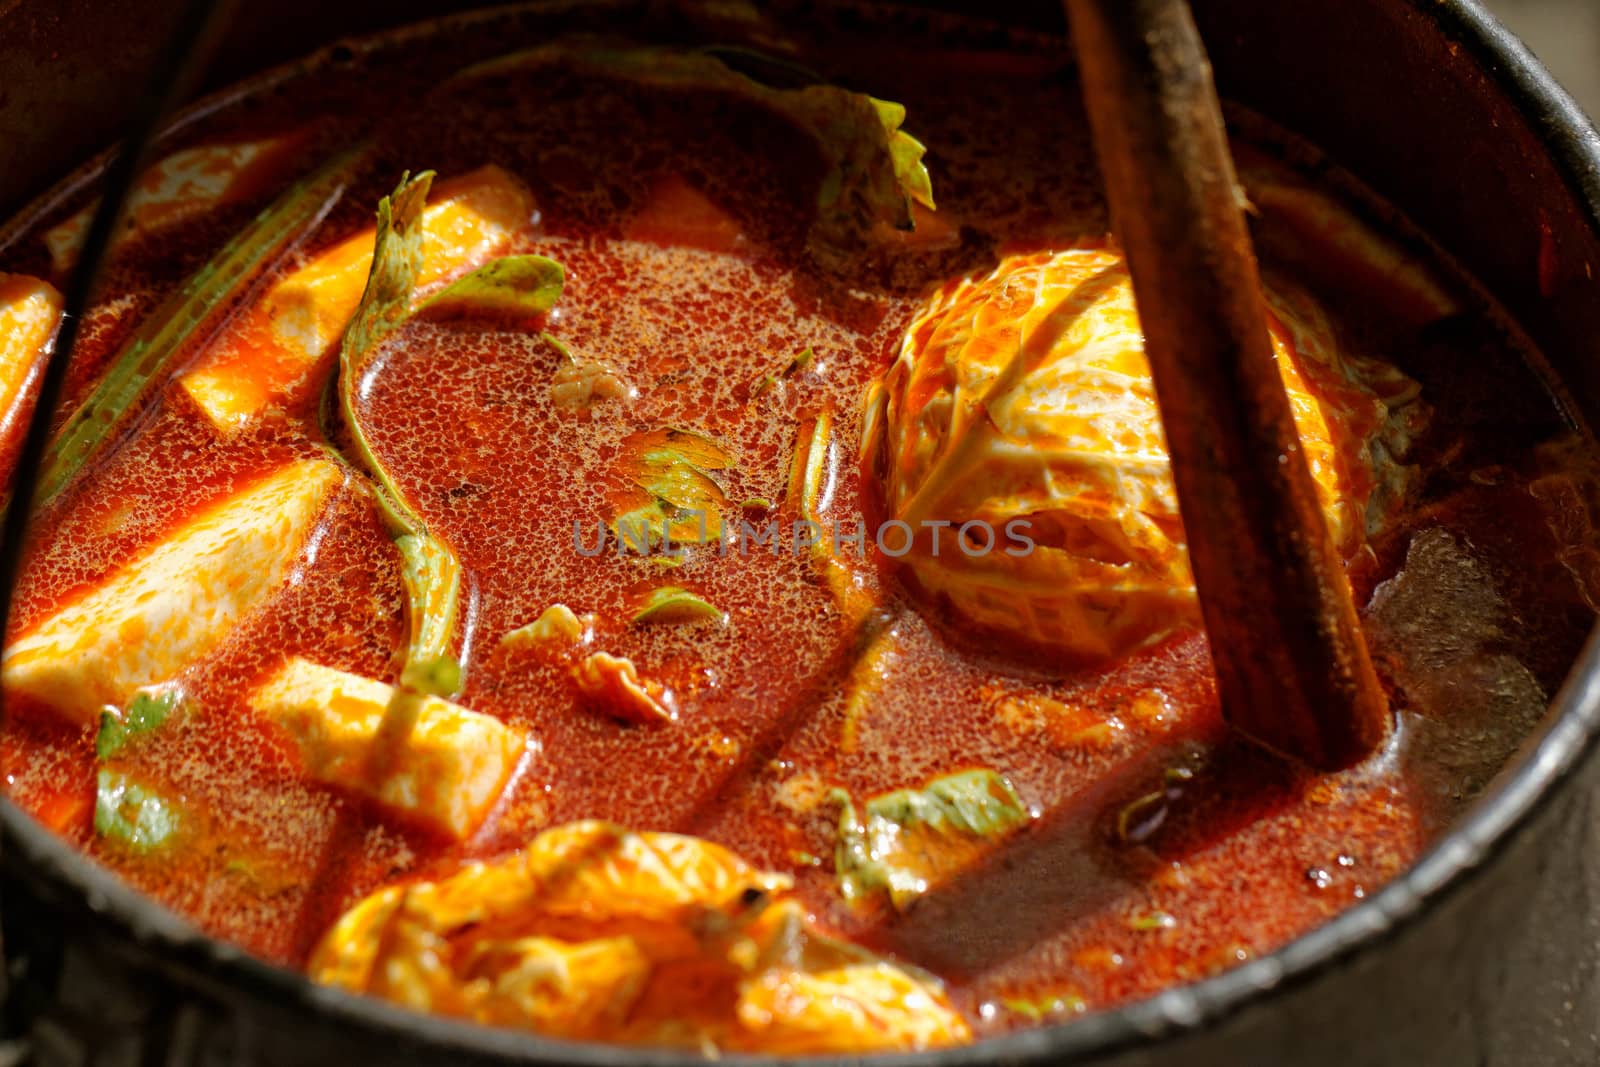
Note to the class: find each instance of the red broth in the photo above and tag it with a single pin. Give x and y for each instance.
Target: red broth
(1163, 850)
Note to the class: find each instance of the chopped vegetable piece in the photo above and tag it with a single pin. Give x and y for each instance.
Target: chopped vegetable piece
(556, 631)
(30, 312)
(874, 168)
(669, 489)
(165, 609)
(808, 471)
(145, 712)
(132, 814)
(673, 443)
(180, 187)
(1142, 817)
(579, 386)
(591, 931)
(875, 655)
(524, 286)
(278, 342)
(613, 685)
(911, 839)
(210, 294)
(433, 760)
(670, 603)
(834, 1011)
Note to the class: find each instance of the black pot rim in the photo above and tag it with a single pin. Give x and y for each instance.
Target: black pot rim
(1570, 736)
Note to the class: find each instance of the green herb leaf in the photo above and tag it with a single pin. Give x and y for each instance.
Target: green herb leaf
(132, 814)
(911, 838)
(523, 286)
(875, 169)
(144, 713)
(154, 349)
(671, 603)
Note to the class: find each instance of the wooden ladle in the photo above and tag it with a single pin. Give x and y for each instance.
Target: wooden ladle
(1293, 671)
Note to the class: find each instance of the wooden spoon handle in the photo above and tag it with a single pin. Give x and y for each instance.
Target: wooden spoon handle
(1292, 669)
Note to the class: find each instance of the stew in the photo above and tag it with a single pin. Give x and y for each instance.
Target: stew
(663, 543)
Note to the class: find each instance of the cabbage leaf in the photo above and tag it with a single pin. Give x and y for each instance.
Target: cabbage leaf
(671, 603)
(875, 169)
(132, 814)
(904, 842)
(667, 488)
(523, 286)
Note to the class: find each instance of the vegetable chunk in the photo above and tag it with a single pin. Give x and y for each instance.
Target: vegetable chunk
(592, 931)
(911, 839)
(30, 311)
(178, 188)
(1020, 418)
(468, 221)
(173, 604)
(131, 814)
(424, 756)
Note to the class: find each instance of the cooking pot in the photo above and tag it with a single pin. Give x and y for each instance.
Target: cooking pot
(1486, 952)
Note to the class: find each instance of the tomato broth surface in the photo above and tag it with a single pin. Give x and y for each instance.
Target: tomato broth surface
(1157, 848)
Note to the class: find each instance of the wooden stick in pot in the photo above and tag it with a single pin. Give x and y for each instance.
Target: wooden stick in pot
(1292, 669)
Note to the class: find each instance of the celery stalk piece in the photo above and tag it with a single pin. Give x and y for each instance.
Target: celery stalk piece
(808, 469)
(209, 295)
(432, 573)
